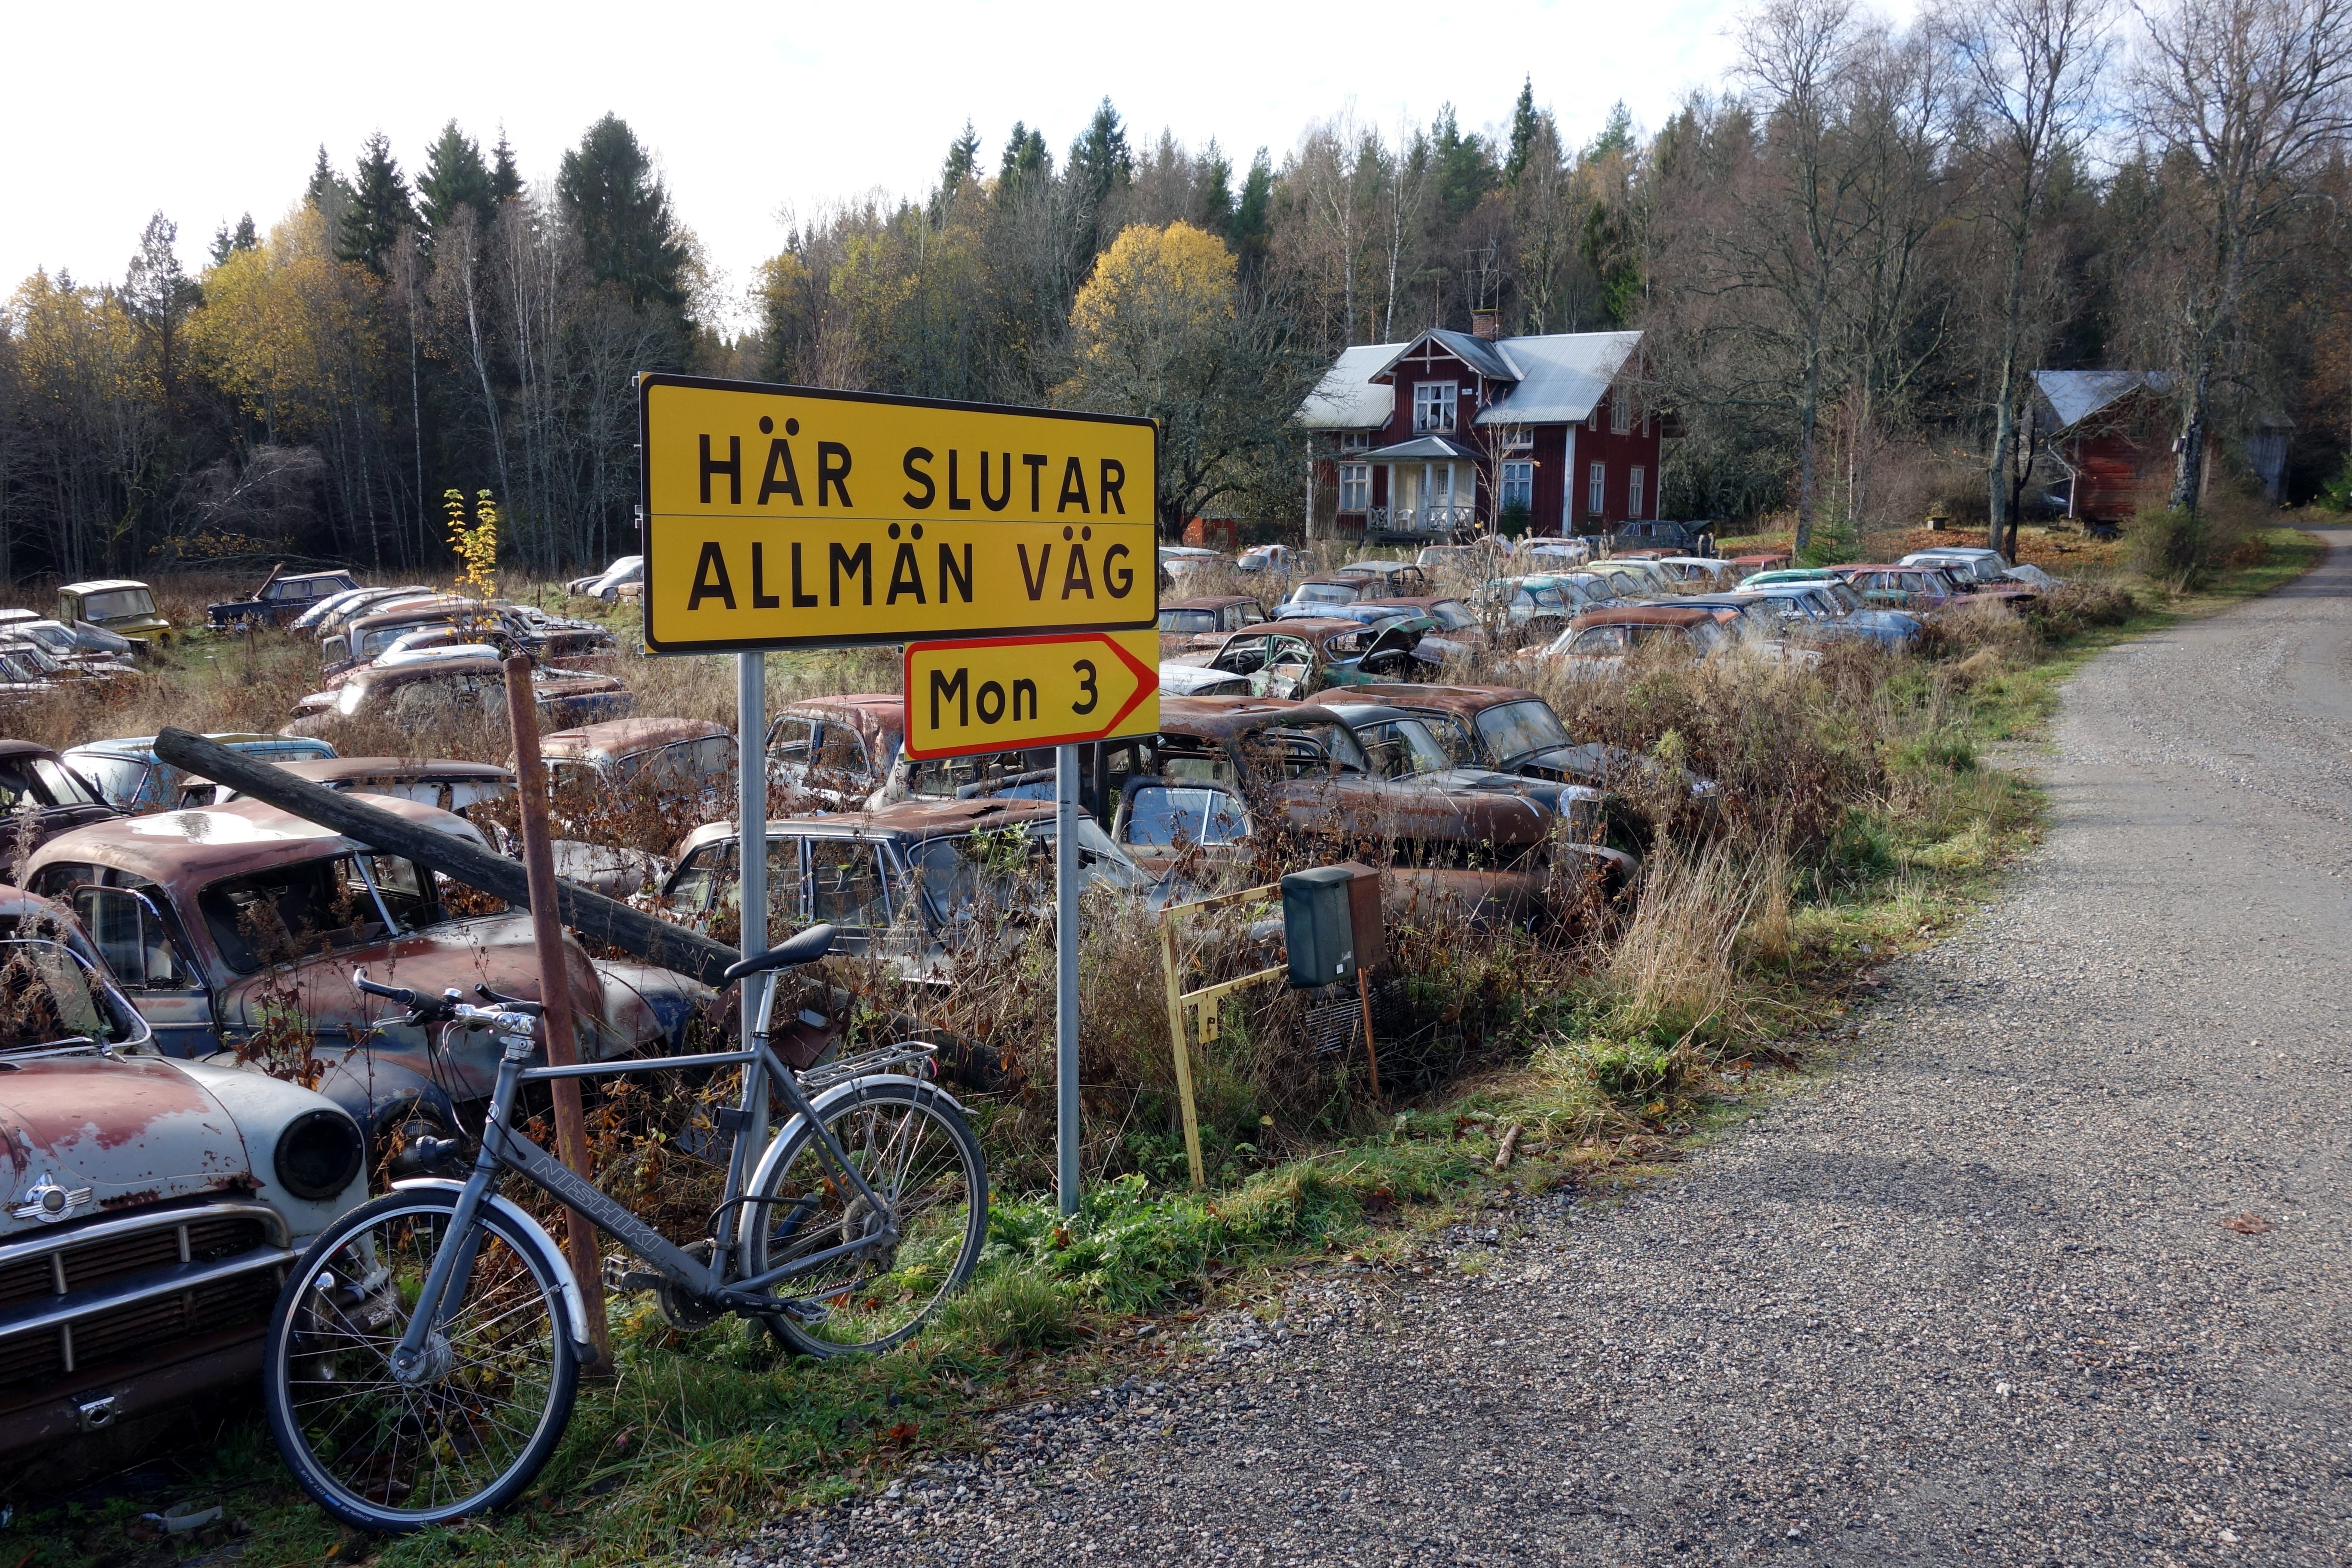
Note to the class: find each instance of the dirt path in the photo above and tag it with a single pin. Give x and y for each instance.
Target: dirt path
(1970, 1301)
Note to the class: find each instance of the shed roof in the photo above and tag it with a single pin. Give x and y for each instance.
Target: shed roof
(1419, 448)
(2076, 395)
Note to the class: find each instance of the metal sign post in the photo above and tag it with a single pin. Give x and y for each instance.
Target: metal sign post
(1065, 975)
(781, 517)
(751, 815)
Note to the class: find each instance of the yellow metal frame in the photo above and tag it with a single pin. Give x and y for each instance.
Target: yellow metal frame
(1205, 1005)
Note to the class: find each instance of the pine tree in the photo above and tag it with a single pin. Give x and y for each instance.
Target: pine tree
(1253, 224)
(1026, 161)
(158, 294)
(962, 161)
(327, 193)
(227, 241)
(380, 208)
(1466, 170)
(1523, 131)
(620, 209)
(1616, 136)
(455, 178)
(1215, 185)
(1099, 160)
(506, 180)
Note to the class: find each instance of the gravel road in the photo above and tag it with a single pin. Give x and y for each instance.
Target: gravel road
(1969, 1299)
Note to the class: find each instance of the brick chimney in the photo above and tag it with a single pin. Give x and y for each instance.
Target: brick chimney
(1488, 324)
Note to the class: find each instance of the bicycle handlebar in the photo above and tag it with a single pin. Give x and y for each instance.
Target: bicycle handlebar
(512, 1014)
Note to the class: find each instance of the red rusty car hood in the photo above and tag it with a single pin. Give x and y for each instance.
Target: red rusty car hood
(132, 1131)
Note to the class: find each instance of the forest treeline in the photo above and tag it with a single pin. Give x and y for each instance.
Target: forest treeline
(1849, 256)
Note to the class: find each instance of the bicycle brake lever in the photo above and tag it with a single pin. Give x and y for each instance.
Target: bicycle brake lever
(513, 1004)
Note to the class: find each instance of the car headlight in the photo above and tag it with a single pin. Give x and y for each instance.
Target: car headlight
(318, 1155)
(347, 700)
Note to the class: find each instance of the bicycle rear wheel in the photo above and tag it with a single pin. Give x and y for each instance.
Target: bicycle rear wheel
(911, 1142)
(384, 1455)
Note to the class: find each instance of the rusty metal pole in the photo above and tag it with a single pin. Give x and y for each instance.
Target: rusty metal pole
(555, 993)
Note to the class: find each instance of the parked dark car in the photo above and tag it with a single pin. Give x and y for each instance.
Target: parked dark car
(1682, 538)
(151, 1208)
(280, 598)
(1217, 613)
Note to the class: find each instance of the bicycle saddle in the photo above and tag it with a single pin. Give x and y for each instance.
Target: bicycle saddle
(807, 948)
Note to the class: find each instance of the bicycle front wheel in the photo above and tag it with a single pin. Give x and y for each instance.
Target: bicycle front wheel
(914, 1149)
(470, 1431)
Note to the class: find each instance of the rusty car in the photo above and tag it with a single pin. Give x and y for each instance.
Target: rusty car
(281, 597)
(1246, 781)
(836, 751)
(120, 606)
(133, 778)
(449, 784)
(1214, 612)
(150, 1209)
(1298, 657)
(235, 928)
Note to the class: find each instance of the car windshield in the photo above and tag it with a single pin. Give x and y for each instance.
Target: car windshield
(115, 603)
(292, 911)
(120, 779)
(1325, 594)
(1513, 729)
(1842, 592)
(1159, 815)
(49, 634)
(1402, 748)
(1449, 613)
(28, 784)
(1548, 596)
(1306, 750)
(1188, 620)
(46, 997)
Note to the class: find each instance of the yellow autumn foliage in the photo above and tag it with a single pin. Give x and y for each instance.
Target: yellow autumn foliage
(1154, 287)
(284, 327)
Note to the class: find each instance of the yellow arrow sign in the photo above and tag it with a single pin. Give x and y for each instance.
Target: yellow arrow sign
(790, 517)
(998, 694)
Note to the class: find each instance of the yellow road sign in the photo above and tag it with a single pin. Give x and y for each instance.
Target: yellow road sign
(991, 694)
(790, 517)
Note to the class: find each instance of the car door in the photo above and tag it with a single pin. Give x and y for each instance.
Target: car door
(151, 964)
(851, 886)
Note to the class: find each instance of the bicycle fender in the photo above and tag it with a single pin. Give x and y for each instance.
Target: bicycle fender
(575, 1302)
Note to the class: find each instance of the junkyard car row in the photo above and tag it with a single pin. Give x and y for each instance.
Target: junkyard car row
(191, 1085)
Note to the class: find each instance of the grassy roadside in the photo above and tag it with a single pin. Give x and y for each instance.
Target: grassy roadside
(1606, 1084)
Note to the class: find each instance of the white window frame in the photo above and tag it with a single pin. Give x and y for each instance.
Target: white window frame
(1596, 489)
(1637, 486)
(1430, 397)
(1620, 414)
(1355, 440)
(1518, 484)
(1518, 438)
(1355, 487)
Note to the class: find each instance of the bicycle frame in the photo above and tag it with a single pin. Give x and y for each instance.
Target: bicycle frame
(503, 1148)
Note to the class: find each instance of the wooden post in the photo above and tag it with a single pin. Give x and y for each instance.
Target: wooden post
(1372, 1057)
(555, 993)
(1176, 1038)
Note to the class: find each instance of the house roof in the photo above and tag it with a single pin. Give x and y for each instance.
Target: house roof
(2076, 395)
(1347, 398)
(1419, 448)
(1553, 379)
(1564, 374)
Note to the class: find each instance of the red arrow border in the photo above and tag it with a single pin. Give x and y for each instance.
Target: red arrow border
(1147, 681)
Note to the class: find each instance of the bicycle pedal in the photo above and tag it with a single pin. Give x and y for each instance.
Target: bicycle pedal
(620, 1276)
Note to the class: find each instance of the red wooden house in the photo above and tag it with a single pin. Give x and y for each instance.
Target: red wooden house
(1437, 436)
(2113, 438)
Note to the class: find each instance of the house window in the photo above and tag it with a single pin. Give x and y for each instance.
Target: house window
(1433, 405)
(1596, 489)
(1355, 487)
(1621, 415)
(1633, 487)
(1518, 486)
(1518, 438)
(1355, 441)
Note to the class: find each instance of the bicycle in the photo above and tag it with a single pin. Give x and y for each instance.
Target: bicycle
(423, 1358)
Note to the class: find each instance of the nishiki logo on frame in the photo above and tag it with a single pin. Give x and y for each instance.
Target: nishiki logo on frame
(781, 517)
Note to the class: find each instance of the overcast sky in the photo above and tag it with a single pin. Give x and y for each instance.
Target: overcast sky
(753, 110)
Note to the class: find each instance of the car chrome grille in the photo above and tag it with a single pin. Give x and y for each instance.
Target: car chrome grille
(132, 1286)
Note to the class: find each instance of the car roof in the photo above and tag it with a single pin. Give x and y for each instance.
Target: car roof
(206, 842)
(25, 749)
(1451, 699)
(1213, 602)
(907, 819)
(880, 712)
(1646, 615)
(1229, 717)
(103, 585)
(143, 747)
(354, 770)
(621, 737)
(418, 609)
(343, 572)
